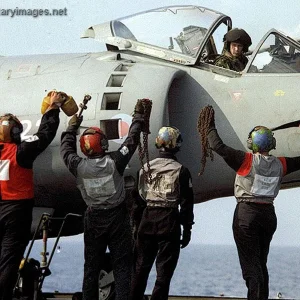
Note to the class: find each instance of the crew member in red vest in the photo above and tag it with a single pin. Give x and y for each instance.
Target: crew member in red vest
(257, 183)
(16, 187)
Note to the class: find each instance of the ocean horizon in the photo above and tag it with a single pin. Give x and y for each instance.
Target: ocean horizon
(202, 270)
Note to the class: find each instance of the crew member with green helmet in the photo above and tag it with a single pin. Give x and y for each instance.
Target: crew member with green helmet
(236, 42)
(257, 183)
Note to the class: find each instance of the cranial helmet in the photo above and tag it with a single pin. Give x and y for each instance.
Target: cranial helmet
(169, 138)
(238, 35)
(261, 139)
(10, 129)
(93, 142)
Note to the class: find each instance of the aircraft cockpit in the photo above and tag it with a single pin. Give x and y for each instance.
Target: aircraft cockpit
(275, 54)
(193, 35)
(175, 33)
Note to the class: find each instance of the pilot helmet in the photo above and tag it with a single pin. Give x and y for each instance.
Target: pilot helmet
(261, 139)
(10, 129)
(237, 35)
(169, 138)
(93, 142)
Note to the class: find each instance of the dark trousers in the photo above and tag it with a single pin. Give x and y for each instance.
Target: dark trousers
(253, 229)
(14, 236)
(107, 228)
(166, 250)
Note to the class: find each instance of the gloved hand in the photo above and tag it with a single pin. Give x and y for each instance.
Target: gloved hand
(59, 98)
(212, 121)
(75, 121)
(139, 107)
(186, 237)
(55, 100)
(53, 97)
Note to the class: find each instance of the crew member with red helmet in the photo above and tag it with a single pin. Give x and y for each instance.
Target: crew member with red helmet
(100, 179)
(236, 42)
(158, 219)
(257, 183)
(17, 192)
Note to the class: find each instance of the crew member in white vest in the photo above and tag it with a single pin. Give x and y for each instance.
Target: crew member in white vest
(100, 179)
(157, 218)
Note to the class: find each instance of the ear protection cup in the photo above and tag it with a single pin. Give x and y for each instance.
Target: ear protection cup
(104, 142)
(16, 134)
(10, 128)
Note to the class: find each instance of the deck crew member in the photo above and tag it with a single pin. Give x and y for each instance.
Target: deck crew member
(257, 183)
(17, 192)
(157, 218)
(100, 179)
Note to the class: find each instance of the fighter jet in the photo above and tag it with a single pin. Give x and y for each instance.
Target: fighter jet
(163, 54)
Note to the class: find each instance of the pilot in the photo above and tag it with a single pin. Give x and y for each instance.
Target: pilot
(99, 177)
(257, 183)
(17, 192)
(157, 218)
(236, 43)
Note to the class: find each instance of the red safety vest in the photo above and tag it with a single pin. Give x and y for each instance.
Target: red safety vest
(16, 183)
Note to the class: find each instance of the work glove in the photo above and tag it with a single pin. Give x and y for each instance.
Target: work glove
(139, 107)
(60, 99)
(212, 120)
(49, 101)
(75, 121)
(186, 237)
(56, 100)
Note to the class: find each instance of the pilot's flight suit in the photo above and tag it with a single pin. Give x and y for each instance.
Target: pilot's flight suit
(254, 221)
(158, 219)
(106, 223)
(227, 61)
(16, 202)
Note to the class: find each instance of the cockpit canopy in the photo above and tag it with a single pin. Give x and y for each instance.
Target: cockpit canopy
(192, 35)
(176, 33)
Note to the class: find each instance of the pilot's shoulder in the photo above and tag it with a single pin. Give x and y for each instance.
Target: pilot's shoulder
(222, 61)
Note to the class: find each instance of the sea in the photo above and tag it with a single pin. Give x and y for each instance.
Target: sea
(202, 270)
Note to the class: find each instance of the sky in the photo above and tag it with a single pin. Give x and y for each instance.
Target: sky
(23, 35)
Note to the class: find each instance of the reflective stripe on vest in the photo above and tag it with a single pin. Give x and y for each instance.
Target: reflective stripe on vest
(16, 182)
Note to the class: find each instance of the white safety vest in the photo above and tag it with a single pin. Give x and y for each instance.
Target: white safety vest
(259, 179)
(164, 188)
(100, 183)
